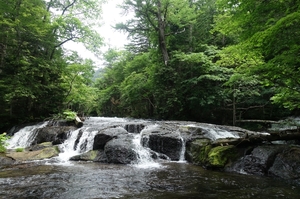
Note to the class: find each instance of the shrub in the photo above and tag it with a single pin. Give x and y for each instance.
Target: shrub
(3, 144)
(19, 149)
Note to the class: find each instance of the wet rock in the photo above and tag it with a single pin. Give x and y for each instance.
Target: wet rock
(120, 150)
(259, 160)
(54, 134)
(40, 146)
(287, 164)
(166, 143)
(201, 152)
(197, 151)
(94, 155)
(44, 153)
(60, 123)
(134, 127)
(5, 161)
(106, 135)
(220, 156)
(211, 132)
(77, 140)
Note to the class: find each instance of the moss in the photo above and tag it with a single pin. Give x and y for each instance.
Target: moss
(88, 156)
(46, 144)
(198, 151)
(221, 155)
(91, 155)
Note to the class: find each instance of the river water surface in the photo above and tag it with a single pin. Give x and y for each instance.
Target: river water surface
(170, 180)
(62, 179)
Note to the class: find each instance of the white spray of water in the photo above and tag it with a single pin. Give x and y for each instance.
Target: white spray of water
(182, 152)
(25, 136)
(145, 160)
(68, 149)
(215, 133)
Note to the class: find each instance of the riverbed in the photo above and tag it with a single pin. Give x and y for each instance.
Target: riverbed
(169, 180)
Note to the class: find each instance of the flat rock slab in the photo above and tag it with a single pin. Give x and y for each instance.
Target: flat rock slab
(34, 155)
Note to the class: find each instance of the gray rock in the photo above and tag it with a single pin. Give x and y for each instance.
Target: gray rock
(6, 161)
(259, 160)
(134, 127)
(120, 150)
(106, 135)
(287, 164)
(95, 156)
(54, 134)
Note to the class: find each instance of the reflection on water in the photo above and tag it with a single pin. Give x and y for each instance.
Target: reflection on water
(173, 180)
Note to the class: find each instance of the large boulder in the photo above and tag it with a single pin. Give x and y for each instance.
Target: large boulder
(202, 152)
(287, 164)
(54, 134)
(166, 143)
(221, 156)
(163, 139)
(102, 137)
(120, 150)
(197, 151)
(258, 161)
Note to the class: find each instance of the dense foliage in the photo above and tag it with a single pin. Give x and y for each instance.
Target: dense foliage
(213, 61)
(38, 77)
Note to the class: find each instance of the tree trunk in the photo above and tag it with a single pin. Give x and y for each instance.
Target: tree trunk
(161, 33)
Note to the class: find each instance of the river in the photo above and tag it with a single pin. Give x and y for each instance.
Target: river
(170, 180)
(60, 178)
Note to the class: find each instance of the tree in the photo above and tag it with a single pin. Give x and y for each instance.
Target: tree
(155, 20)
(264, 52)
(32, 62)
(77, 81)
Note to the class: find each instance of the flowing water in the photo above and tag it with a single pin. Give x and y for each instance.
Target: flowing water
(173, 180)
(60, 178)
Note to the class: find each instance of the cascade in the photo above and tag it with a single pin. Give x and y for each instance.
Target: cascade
(215, 133)
(69, 148)
(182, 153)
(25, 136)
(82, 140)
(144, 156)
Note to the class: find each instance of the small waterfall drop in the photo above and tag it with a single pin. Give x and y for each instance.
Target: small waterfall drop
(182, 152)
(144, 156)
(69, 148)
(25, 136)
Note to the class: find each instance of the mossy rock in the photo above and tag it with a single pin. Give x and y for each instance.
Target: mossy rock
(197, 151)
(94, 155)
(220, 156)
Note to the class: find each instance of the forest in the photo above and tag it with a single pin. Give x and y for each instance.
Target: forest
(215, 61)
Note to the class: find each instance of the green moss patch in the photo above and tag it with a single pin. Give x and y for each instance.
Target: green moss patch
(221, 155)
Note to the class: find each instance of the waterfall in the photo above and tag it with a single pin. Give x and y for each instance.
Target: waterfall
(25, 136)
(69, 148)
(182, 152)
(144, 156)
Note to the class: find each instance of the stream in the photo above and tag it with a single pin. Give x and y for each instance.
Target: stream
(147, 179)
(171, 180)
